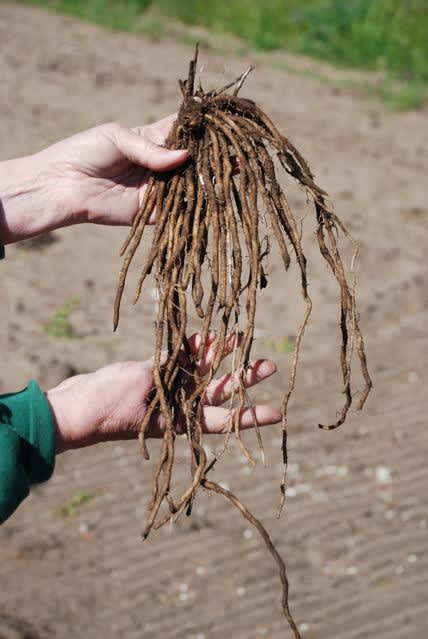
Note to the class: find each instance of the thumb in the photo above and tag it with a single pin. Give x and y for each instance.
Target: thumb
(141, 151)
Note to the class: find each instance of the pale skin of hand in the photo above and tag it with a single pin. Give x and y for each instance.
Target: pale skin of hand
(95, 176)
(99, 176)
(110, 404)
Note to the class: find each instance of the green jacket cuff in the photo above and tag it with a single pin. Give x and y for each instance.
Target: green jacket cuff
(27, 445)
(28, 414)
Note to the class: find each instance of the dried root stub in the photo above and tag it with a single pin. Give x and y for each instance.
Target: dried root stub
(208, 251)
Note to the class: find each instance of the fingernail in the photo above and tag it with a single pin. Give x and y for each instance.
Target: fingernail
(266, 367)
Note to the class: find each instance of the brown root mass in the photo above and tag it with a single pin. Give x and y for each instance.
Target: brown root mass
(208, 223)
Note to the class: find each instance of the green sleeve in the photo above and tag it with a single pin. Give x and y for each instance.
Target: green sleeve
(27, 445)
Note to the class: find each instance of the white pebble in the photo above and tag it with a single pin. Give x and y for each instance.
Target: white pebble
(240, 591)
(200, 570)
(247, 533)
(351, 571)
(303, 627)
(412, 558)
(383, 474)
(83, 529)
(183, 588)
(412, 377)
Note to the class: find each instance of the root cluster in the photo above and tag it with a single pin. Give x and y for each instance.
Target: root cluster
(208, 250)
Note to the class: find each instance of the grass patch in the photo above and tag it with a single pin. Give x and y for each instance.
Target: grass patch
(387, 35)
(70, 508)
(120, 15)
(283, 345)
(399, 97)
(59, 324)
(369, 34)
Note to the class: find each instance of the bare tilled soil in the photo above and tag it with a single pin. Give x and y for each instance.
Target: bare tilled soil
(354, 531)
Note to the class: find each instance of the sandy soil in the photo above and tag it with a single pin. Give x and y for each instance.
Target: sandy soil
(355, 530)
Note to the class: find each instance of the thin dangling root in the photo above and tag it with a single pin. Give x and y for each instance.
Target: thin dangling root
(208, 248)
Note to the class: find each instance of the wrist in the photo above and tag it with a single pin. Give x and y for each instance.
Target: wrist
(59, 414)
(27, 202)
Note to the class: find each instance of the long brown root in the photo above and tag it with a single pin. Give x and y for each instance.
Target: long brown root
(209, 249)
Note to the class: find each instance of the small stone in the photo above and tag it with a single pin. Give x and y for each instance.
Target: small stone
(383, 474)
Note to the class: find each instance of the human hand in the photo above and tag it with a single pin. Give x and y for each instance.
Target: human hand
(110, 404)
(96, 176)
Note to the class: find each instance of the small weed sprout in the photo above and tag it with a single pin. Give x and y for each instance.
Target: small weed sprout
(70, 508)
(59, 325)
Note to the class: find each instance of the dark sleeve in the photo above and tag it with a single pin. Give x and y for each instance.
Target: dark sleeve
(27, 445)
(1, 252)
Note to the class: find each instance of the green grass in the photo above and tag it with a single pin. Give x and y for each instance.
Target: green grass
(59, 324)
(283, 345)
(121, 15)
(387, 35)
(70, 508)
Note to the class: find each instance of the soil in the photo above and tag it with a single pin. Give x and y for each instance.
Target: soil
(354, 531)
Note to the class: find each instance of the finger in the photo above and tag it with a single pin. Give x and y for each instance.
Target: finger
(163, 358)
(157, 131)
(232, 341)
(142, 151)
(220, 390)
(218, 420)
(194, 341)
